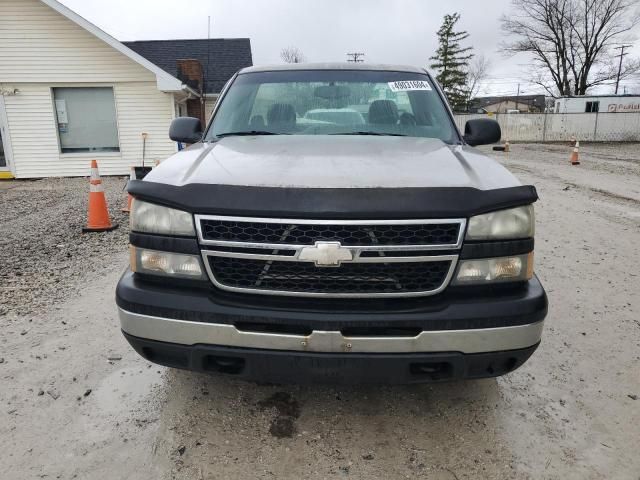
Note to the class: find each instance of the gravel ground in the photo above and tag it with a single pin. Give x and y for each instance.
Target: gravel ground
(77, 402)
(42, 248)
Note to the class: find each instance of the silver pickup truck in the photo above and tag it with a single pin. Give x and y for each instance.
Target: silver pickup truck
(368, 243)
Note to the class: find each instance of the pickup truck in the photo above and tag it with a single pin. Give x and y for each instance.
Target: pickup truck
(279, 248)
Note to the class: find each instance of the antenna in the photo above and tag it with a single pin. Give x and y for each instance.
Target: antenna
(205, 71)
(208, 41)
(354, 57)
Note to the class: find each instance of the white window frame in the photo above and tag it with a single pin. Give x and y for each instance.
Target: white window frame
(55, 120)
(6, 138)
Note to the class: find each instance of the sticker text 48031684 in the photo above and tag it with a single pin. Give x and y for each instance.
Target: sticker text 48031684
(408, 85)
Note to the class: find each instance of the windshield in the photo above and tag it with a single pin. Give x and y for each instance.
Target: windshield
(332, 102)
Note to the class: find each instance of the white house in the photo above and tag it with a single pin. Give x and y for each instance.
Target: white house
(70, 92)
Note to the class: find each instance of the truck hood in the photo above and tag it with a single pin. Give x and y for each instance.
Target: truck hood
(314, 161)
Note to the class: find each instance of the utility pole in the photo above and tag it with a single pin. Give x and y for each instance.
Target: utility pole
(518, 97)
(205, 74)
(622, 54)
(355, 57)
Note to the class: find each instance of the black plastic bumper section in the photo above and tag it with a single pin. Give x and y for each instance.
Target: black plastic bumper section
(450, 310)
(273, 366)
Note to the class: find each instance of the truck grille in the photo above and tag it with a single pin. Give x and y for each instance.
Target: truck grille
(356, 278)
(331, 258)
(348, 235)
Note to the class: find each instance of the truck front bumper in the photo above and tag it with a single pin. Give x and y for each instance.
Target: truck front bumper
(465, 337)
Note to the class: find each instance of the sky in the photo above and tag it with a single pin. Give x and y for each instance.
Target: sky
(387, 31)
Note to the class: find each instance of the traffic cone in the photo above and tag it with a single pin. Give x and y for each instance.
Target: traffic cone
(132, 176)
(127, 209)
(98, 214)
(575, 160)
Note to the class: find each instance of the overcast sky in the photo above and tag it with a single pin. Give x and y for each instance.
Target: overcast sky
(387, 31)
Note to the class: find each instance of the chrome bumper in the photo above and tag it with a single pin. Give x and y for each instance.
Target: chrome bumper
(465, 341)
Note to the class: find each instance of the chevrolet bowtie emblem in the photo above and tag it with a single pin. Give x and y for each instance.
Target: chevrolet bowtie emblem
(326, 254)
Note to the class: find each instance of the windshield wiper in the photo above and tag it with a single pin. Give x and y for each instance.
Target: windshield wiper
(382, 134)
(247, 133)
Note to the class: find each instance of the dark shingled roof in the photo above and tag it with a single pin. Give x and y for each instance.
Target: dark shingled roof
(226, 56)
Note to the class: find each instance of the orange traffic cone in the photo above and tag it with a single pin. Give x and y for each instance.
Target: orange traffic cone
(98, 214)
(132, 176)
(575, 160)
(127, 209)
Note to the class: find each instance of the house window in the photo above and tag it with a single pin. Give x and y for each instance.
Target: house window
(86, 118)
(592, 107)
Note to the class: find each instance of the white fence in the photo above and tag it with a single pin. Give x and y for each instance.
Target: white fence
(559, 127)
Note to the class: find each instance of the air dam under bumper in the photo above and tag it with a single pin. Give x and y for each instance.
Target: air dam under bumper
(278, 366)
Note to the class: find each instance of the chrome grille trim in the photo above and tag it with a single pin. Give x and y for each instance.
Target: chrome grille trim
(292, 293)
(356, 257)
(289, 221)
(271, 253)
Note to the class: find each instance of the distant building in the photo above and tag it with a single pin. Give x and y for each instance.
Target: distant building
(597, 103)
(503, 104)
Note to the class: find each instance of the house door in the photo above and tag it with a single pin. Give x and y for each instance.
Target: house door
(5, 149)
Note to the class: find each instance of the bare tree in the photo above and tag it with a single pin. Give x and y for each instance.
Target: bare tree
(571, 40)
(476, 74)
(292, 55)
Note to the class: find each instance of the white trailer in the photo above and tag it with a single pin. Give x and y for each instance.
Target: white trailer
(597, 103)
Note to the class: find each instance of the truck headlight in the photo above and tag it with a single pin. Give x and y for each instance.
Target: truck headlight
(502, 225)
(151, 218)
(494, 270)
(154, 262)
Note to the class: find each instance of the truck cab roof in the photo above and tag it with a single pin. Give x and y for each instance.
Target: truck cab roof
(333, 66)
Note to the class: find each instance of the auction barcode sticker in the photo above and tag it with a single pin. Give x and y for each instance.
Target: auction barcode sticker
(408, 85)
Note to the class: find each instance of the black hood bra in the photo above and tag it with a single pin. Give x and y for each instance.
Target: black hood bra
(332, 203)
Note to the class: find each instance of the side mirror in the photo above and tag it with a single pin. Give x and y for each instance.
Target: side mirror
(185, 130)
(481, 131)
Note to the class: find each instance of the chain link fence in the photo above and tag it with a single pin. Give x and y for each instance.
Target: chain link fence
(560, 127)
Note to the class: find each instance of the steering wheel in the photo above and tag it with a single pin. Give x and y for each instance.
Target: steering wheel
(408, 119)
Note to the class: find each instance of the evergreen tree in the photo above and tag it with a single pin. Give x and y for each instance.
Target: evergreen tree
(451, 61)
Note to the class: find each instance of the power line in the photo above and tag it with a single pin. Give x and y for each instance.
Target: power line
(354, 57)
(511, 93)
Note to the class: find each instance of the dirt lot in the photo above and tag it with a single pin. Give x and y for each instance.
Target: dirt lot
(77, 402)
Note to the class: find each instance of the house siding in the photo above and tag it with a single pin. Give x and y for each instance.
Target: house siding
(41, 49)
(140, 107)
(38, 44)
